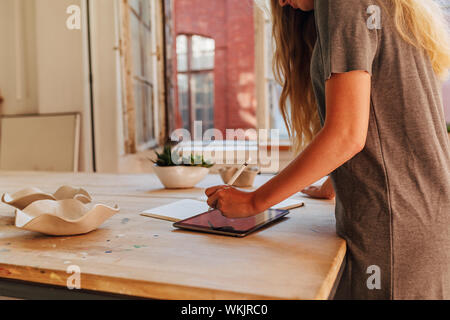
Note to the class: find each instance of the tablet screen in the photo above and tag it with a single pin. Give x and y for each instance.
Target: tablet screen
(214, 221)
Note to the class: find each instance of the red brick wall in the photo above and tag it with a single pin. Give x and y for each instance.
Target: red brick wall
(230, 23)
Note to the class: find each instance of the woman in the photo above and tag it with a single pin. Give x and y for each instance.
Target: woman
(372, 68)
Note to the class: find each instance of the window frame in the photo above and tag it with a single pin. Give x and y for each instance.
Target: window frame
(189, 72)
(129, 78)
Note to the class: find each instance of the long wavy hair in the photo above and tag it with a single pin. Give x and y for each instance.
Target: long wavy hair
(419, 22)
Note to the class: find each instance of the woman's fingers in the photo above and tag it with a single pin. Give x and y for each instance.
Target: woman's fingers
(219, 204)
(212, 200)
(210, 191)
(215, 197)
(318, 193)
(213, 194)
(231, 202)
(311, 191)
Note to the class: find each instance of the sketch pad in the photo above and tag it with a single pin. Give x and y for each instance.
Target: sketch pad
(178, 210)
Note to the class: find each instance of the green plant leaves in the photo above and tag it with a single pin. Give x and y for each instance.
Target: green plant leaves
(164, 159)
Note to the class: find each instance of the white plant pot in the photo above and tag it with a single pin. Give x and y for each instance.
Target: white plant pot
(180, 177)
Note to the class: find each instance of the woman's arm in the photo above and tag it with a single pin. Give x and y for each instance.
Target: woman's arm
(342, 137)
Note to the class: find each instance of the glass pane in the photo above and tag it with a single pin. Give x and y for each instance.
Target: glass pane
(139, 107)
(199, 114)
(148, 57)
(182, 50)
(183, 91)
(144, 113)
(202, 53)
(149, 131)
(202, 94)
(185, 116)
(273, 88)
(135, 5)
(446, 89)
(276, 117)
(183, 100)
(211, 114)
(146, 12)
(136, 45)
(446, 97)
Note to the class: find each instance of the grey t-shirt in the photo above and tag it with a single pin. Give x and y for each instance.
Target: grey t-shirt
(393, 198)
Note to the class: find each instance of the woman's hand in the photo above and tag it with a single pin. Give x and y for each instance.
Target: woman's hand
(326, 191)
(232, 202)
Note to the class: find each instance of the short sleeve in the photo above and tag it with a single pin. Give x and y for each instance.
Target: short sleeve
(348, 34)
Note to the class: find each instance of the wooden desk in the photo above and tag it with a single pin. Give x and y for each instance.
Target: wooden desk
(297, 258)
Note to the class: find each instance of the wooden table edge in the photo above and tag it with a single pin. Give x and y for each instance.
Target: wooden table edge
(327, 285)
(153, 290)
(117, 286)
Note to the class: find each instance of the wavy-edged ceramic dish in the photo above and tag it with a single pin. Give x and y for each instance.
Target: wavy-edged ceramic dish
(63, 217)
(23, 198)
(66, 212)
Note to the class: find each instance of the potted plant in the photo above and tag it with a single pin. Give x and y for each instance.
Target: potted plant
(180, 172)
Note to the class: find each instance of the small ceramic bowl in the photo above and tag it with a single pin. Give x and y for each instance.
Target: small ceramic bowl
(245, 180)
(180, 177)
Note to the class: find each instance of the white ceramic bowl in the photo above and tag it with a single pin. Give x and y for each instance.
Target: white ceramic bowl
(180, 177)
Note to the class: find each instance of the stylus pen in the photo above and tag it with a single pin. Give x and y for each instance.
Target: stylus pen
(238, 173)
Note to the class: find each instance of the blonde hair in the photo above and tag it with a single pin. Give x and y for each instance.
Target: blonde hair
(419, 22)
(422, 24)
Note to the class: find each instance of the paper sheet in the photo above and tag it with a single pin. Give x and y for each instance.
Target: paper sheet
(178, 210)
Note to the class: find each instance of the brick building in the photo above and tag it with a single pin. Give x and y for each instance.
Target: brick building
(215, 65)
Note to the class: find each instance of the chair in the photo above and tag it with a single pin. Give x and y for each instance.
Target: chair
(40, 142)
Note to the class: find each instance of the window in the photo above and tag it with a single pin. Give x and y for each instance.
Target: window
(211, 54)
(270, 91)
(140, 77)
(274, 89)
(195, 79)
(446, 89)
(219, 72)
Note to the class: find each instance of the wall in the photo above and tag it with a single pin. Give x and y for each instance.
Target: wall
(63, 67)
(45, 65)
(231, 24)
(18, 83)
(107, 90)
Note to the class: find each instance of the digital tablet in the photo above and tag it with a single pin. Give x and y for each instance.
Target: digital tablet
(214, 222)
